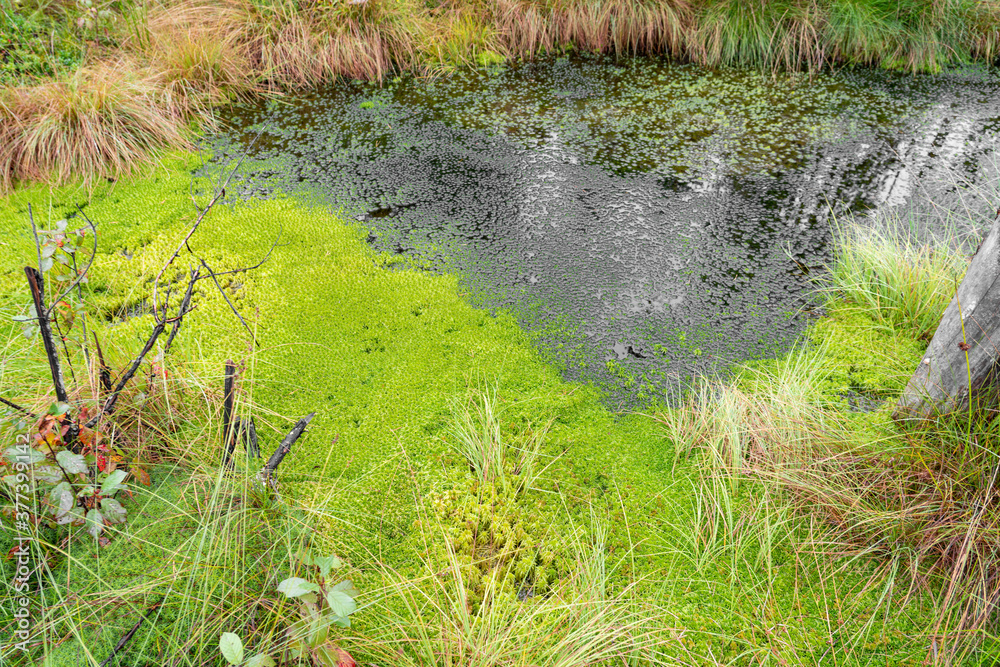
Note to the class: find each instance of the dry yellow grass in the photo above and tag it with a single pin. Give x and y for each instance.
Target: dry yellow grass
(191, 55)
(101, 122)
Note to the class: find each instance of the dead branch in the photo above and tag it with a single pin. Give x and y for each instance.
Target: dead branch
(248, 434)
(227, 415)
(128, 636)
(37, 284)
(109, 403)
(17, 407)
(284, 448)
(104, 372)
(230, 303)
(185, 308)
(220, 193)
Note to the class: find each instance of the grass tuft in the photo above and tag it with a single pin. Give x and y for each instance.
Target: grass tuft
(896, 279)
(100, 122)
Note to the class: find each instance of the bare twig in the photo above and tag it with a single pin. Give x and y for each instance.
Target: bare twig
(80, 274)
(62, 340)
(285, 447)
(230, 303)
(34, 234)
(258, 264)
(228, 436)
(37, 285)
(128, 635)
(104, 372)
(220, 193)
(185, 308)
(109, 403)
(83, 318)
(17, 407)
(248, 433)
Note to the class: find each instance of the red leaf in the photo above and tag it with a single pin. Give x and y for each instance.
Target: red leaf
(344, 658)
(141, 476)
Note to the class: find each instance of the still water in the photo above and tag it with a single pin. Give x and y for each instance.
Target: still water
(646, 220)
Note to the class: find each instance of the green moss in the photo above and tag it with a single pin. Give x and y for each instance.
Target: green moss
(379, 354)
(861, 356)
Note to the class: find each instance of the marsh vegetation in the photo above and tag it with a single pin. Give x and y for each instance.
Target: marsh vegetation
(457, 500)
(94, 88)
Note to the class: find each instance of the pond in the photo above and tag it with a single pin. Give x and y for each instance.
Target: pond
(645, 220)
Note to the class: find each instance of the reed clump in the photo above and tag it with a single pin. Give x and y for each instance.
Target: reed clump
(920, 502)
(187, 56)
(98, 122)
(923, 505)
(899, 280)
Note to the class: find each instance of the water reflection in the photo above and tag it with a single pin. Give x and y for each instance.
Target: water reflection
(648, 221)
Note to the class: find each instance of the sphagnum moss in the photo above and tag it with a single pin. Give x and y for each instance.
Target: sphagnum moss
(380, 355)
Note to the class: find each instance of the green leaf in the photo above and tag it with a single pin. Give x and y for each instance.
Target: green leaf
(62, 499)
(70, 462)
(46, 264)
(328, 563)
(113, 482)
(341, 604)
(319, 630)
(231, 647)
(49, 249)
(113, 510)
(24, 455)
(347, 587)
(58, 408)
(294, 587)
(74, 516)
(48, 473)
(261, 660)
(95, 522)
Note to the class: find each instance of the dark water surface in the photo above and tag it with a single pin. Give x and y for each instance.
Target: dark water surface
(646, 220)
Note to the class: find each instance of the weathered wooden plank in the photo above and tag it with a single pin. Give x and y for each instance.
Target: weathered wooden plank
(962, 358)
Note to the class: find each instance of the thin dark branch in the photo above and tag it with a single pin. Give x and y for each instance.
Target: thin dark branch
(105, 372)
(34, 234)
(248, 433)
(285, 447)
(227, 415)
(184, 310)
(83, 317)
(80, 274)
(258, 264)
(231, 306)
(220, 193)
(109, 403)
(17, 407)
(62, 340)
(37, 285)
(128, 635)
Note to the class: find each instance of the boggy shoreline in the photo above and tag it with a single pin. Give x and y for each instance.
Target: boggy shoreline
(145, 77)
